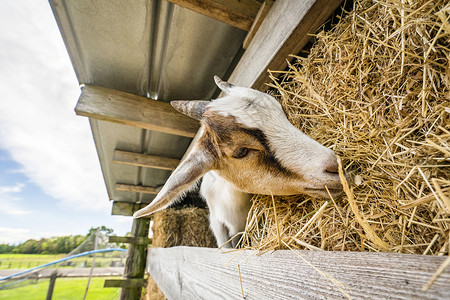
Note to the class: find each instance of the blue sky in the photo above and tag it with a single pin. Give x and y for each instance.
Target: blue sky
(50, 178)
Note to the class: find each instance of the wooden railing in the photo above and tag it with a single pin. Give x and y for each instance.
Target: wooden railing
(204, 273)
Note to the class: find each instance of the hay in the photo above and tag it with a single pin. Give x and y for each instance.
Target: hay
(179, 227)
(376, 90)
(152, 291)
(182, 227)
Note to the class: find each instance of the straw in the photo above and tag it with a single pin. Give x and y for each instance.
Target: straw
(375, 89)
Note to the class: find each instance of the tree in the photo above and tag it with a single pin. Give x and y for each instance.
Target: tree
(107, 231)
(53, 245)
(5, 248)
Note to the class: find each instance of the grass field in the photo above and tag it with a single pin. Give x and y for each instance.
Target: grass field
(26, 261)
(65, 288)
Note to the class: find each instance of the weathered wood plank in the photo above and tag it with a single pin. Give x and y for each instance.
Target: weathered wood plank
(202, 273)
(260, 16)
(125, 283)
(136, 188)
(136, 260)
(125, 208)
(143, 160)
(115, 106)
(130, 240)
(285, 30)
(237, 13)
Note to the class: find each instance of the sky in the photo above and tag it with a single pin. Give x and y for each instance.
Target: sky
(50, 178)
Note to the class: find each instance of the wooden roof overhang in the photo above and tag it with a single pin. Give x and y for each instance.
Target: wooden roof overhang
(133, 57)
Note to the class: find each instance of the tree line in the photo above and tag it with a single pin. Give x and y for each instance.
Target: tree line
(53, 245)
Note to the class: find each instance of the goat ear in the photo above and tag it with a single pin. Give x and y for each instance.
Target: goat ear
(185, 175)
(193, 109)
(223, 85)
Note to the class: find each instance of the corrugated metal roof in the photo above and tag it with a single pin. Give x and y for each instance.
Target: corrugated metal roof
(149, 48)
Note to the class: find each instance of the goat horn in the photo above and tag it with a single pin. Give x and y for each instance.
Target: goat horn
(223, 85)
(193, 109)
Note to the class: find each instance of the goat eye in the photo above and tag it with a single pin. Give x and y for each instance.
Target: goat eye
(240, 152)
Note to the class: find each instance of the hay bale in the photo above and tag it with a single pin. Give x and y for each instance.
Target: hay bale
(182, 227)
(166, 229)
(179, 227)
(152, 291)
(376, 90)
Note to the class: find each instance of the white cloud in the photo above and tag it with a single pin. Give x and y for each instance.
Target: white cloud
(37, 123)
(9, 201)
(13, 235)
(12, 189)
(14, 211)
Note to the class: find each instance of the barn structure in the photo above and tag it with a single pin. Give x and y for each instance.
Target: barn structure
(131, 58)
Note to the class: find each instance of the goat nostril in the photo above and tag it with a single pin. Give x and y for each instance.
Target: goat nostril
(332, 168)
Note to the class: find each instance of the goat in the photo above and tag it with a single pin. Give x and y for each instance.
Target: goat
(246, 146)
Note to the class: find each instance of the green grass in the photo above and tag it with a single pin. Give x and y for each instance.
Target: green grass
(26, 261)
(65, 289)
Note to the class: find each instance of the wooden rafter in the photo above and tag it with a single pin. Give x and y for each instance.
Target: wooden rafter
(285, 30)
(237, 13)
(115, 106)
(260, 16)
(136, 188)
(120, 208)
(143, 160)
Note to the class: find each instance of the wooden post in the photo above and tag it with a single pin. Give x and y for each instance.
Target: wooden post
(51, 285)
(136, 260)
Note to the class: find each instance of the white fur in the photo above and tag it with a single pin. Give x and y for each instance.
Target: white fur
(228, 207)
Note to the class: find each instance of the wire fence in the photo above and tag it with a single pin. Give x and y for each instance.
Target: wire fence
(69, 276)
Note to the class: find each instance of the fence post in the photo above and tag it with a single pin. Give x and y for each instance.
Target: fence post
(51, 285)
(136, 260)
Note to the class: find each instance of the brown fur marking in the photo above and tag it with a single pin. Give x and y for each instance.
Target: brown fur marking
(222, 135)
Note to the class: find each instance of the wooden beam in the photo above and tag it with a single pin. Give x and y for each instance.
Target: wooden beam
(135, 264)
(136, 188)
(125, 208)
(237, 13)
(285, 30)
(130, 240)
(126, 283)
(260, 16)
(115, 106)
(194, 273)
(143, 160)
